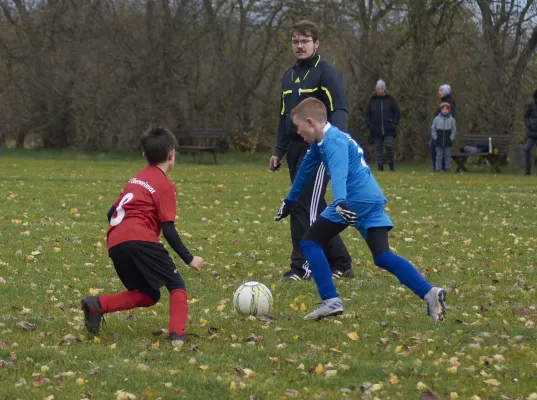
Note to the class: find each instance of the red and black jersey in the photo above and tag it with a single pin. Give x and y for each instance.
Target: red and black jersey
(145, 204)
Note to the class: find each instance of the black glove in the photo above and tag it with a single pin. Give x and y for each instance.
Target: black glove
(284, 210)
(347, 214)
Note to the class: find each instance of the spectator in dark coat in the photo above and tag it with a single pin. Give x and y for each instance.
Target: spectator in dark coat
(445, 97)
(530, 120)
(382, 118)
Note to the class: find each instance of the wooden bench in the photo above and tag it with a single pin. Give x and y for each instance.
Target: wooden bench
(498, 157)
(200, 140)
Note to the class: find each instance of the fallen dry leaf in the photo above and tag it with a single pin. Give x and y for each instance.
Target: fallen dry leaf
(352, 336)
(421, 386)
(319, 369)
(69, 338)
(121, 395)
(25, 325)
(142, 367)
(40, 381)
(428, 395)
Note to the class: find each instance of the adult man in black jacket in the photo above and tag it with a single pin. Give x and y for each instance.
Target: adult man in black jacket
(382, 117)
(311, 76)
(530, 120)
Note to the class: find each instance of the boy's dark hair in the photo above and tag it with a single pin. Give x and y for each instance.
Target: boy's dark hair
(306, 28)
(156, 143)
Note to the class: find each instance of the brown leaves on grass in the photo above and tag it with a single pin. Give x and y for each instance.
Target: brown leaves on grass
(428, 395)
(40, 380)
(25, 325)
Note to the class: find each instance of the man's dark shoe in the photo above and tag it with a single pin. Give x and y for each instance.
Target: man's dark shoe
(297, 274)
(392, 167)
(381, 167)
(93, 313)
(345, 273)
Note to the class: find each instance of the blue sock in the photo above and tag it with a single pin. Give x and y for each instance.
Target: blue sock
(404, 271)
(320, 269)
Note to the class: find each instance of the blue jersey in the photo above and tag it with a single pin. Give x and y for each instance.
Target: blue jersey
(343, 158)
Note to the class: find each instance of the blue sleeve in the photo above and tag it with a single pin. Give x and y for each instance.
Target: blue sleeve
(337, 154)
(308, 166)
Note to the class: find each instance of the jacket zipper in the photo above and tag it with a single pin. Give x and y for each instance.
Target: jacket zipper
(382, 115)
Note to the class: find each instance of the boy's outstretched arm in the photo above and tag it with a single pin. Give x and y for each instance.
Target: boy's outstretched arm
(175, 242)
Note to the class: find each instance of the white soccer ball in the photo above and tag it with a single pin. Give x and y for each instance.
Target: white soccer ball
(252, 298)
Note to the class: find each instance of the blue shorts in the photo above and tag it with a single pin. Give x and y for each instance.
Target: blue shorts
(370, 215)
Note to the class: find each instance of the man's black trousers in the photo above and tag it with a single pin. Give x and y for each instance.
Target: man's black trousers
(308, 208)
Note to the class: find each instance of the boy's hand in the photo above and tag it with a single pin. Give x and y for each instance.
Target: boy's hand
(284, 210)
(196, 263)
(347, 214)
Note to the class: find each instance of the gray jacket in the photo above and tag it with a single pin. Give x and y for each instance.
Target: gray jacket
(444, 130)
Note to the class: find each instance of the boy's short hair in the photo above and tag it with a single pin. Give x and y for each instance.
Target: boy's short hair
(156, 143)
(310, 108)
(306, 28)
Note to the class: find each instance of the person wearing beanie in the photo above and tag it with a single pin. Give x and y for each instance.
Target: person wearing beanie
(382, 117)
(530, 121)
(443, 132)
(444, 92)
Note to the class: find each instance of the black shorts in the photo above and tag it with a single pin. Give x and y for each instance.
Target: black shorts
(145, 267)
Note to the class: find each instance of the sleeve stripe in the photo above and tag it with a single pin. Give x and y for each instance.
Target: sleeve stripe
(329, 97)
(283, 100)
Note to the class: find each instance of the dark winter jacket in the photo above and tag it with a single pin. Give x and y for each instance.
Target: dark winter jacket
(382, 116)
(444, 130)
(448, 99)
(530, 118)
(310, 78)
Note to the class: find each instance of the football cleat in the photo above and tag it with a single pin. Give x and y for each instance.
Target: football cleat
(328, 308)
(93, 314)
(436, 307)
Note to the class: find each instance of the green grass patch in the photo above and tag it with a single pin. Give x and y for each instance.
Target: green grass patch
(473, 234)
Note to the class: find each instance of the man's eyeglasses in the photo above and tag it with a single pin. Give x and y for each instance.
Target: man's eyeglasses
(303, 42)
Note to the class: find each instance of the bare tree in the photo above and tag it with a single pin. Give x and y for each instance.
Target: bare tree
(510, 35)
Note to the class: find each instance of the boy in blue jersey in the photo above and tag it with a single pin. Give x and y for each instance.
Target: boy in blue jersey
(358, 201)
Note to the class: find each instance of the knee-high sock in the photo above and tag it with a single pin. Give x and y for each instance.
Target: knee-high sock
(404, 271)
(320, 269)
(124, 301)
(178, 311)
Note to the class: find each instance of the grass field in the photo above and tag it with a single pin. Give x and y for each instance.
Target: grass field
(473, 234)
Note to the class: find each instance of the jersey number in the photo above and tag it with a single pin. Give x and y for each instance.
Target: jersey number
(360, 150)
(120, 211)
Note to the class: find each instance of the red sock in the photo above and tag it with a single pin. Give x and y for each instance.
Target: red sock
(178, 311)
(124, 301)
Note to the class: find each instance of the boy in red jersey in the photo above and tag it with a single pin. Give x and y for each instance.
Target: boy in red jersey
(144, 209)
